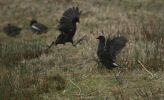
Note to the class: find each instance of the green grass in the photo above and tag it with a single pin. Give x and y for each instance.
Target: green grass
(72, 73)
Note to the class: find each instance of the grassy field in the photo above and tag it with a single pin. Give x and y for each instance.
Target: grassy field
(73, 73)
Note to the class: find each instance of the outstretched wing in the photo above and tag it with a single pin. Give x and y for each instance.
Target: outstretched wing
(115, 45)
(65, 24)
(72, 13)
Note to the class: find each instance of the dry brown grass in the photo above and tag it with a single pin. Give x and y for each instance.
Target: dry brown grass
(72, 73)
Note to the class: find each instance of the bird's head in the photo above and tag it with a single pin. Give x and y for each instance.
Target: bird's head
(101, 37)
(33, 21)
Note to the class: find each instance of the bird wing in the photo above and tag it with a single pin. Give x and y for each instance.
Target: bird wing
(39, 27)
(72, 13)
(35, 27)
(114, 46)
(65, 24)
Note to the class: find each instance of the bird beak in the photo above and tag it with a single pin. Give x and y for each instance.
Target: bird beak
(97, 38)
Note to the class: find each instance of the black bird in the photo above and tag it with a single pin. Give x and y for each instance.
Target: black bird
(108, 50)
(67, 26)
(38, 27)
(11, 30)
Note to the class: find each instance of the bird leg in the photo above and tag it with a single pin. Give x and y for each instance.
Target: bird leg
(78, 41)
(49, 46)
(116, 77)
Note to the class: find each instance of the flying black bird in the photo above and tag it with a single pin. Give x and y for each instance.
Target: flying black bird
(38, 27)
(108, 50)
(67, 26)
(11, 30)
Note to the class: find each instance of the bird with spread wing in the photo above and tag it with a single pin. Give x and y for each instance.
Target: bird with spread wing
(67, 26)
(109, 49)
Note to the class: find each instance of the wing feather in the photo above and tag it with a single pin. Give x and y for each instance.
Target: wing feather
(65, 24)
(114, 46)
